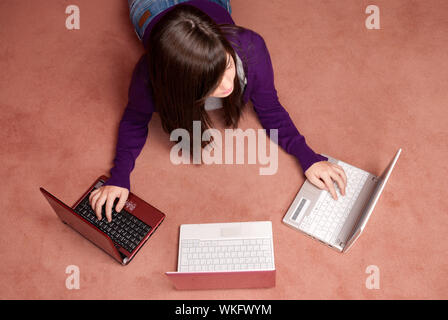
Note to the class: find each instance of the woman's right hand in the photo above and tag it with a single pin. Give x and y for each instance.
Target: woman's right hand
(108, 194)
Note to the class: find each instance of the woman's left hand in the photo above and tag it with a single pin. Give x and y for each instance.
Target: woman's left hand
(322, 174)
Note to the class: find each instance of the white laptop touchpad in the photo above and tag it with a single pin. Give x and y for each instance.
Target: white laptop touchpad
(232, 232)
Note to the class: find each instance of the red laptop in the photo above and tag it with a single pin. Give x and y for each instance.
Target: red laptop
(121, 238)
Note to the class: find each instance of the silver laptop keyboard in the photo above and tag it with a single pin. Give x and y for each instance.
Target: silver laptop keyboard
(328, 216)
(225, 255)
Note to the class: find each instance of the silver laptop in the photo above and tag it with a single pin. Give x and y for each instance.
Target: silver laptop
(235, 246)
(338, 223)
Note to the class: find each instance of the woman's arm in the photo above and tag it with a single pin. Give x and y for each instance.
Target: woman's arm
(271, 113)
(133, 128)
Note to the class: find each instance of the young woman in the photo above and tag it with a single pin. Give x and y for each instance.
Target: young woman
(197, 60)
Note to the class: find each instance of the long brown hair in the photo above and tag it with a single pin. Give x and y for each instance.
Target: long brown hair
(187, 60)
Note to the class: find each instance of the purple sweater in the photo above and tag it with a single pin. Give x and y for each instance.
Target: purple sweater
(260, 89)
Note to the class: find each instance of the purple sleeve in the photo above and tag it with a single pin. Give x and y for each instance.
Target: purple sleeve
(271, 113)
(133, 128)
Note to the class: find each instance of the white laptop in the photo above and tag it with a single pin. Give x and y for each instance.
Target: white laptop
(225, 255)
(338, 223)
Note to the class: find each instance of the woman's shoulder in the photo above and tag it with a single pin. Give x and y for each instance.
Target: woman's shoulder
(251, 48)
(253, 51)
(247, 38)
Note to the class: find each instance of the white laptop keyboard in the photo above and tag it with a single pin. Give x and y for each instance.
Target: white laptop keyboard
(328, 216)
(225, 255)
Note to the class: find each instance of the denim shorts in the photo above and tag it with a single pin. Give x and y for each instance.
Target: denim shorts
(138, 7)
